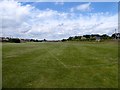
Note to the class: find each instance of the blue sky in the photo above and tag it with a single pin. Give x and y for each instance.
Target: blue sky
(58, 20)
(111, 7)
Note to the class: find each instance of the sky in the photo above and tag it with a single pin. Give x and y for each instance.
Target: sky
(57, 20)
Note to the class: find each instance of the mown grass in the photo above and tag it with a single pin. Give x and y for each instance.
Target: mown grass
(60, 65)
(0, 65)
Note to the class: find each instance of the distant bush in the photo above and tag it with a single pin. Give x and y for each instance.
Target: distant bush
(64, 40)
(14, 40)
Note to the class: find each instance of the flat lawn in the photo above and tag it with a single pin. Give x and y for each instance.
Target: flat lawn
(0, 65)
(60, 65)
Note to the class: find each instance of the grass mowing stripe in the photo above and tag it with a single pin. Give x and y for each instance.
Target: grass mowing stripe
(56, 58)
(37, 68)
(87, 66)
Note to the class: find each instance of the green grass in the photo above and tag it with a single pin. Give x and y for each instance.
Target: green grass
(0, 65)
(60, 65)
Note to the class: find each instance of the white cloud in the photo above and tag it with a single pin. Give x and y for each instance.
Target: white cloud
(29, 22)
(59, 3)
(82, 7)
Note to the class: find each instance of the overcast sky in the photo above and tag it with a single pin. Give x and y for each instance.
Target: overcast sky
(57, 20)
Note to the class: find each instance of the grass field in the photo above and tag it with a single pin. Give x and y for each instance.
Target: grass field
(60, 65)
(0, 65)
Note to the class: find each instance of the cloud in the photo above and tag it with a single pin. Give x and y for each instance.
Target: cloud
(30, 22)
(82, 7)
(59, 3)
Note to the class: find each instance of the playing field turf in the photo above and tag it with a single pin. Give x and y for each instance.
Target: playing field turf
(60, 65)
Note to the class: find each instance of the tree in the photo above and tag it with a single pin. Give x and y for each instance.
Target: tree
(63, 40)
(105, 36)
(116, 36)
(44, 40)
(70, 38)
(87, 36)
(15, 40)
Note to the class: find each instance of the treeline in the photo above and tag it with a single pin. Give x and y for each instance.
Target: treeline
(18, 40)
(93, 37)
